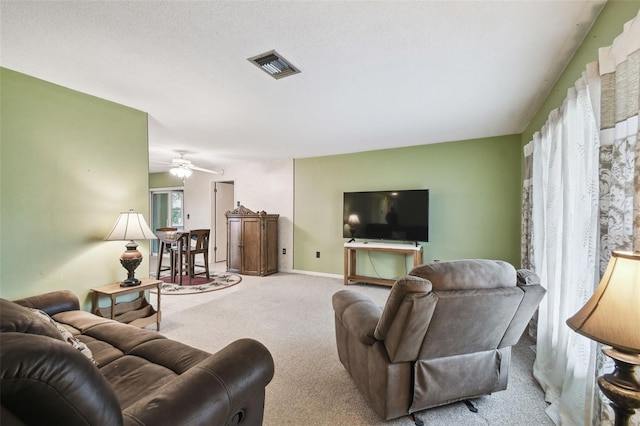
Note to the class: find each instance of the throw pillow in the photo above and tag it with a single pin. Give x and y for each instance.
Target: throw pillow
(67, 336)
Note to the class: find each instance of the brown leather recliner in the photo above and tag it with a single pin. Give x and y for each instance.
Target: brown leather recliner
(444, 335)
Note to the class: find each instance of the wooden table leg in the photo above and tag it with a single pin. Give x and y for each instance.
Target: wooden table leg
(346, 265)
(113, 306)
(353, 268)
(160, 253)
(158, 318)
(417, 258)
(95, 302)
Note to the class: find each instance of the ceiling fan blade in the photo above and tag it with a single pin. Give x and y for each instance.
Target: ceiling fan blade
(181, 162)
(215, 172)
(160, 162)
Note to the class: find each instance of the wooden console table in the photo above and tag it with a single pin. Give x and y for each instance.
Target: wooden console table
(138, 312)
(350, 255)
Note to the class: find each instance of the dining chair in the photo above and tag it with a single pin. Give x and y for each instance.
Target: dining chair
(199, 239)
(180, 257)
(189, 245)
(167, 238)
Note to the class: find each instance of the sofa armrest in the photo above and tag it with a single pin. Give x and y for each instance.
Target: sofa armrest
(46, 381)
(358, 314)
(226, 388)
(53, 302)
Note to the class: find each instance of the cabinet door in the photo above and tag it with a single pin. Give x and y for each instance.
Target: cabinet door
(234, 244)
(271, 250)
(250, 246)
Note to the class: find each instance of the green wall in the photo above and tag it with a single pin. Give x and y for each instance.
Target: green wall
(70, 163)
(164, 180)
(474, 201)
(604, 30)
(475, 185)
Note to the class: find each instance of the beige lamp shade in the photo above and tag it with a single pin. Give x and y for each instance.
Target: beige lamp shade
(612, 315)
(353, 220)
(130, 226)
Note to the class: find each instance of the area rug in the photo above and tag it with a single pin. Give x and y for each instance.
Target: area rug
(200, 284)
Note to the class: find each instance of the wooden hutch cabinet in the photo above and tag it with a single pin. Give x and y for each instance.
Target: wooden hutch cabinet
(252, 242)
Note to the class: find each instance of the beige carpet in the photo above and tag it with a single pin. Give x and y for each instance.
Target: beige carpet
(292, 315)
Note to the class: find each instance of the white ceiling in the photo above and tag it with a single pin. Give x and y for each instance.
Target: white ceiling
(375, 74)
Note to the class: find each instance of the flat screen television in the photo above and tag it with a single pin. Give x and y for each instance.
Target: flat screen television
(386, 215)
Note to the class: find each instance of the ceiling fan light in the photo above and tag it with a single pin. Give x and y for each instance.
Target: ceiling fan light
(181, 172)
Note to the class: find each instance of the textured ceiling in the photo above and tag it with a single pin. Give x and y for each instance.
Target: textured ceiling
(375, 74)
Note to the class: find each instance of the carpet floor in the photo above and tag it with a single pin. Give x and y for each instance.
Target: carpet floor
(291, 314)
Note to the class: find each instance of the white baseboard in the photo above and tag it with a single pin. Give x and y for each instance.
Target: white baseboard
(318, 274)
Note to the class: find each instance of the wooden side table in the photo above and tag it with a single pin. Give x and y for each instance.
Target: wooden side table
(350, 250)
(137, 312)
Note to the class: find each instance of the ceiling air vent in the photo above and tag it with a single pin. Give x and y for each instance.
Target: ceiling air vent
(274, 64)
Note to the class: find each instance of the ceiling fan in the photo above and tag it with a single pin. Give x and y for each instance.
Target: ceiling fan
(183, 168)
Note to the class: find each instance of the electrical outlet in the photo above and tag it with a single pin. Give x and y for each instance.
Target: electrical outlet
(284, 251)
(318, 254)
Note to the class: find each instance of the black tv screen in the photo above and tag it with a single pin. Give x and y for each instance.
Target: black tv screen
(386, 215)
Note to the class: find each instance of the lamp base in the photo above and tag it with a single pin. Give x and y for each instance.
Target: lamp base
(622, 386)
(130, 283)
(130, 260)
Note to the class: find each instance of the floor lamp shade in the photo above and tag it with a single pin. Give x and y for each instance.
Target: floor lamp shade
(130, 226)
(612, 317)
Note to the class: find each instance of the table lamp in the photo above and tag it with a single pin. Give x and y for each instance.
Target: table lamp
(612, 317)
(130, 226)
(353, 222)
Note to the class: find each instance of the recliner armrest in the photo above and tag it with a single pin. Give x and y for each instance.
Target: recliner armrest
(529, 283)
(53, 302)
(358, 313)
(226, 388)
(527, 277)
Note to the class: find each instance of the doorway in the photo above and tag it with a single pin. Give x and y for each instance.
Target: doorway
(167, 207)
(222, 200)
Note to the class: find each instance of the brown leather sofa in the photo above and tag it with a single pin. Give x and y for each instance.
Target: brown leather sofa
(128, 376)
(444, 335)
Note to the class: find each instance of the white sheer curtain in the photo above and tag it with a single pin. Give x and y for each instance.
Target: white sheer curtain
(564, 222)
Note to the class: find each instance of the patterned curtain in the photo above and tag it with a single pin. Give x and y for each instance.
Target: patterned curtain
(619, 177)
(526, 249)
(619, 164)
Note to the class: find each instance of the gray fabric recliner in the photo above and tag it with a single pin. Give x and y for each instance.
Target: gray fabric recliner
(444, 335)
